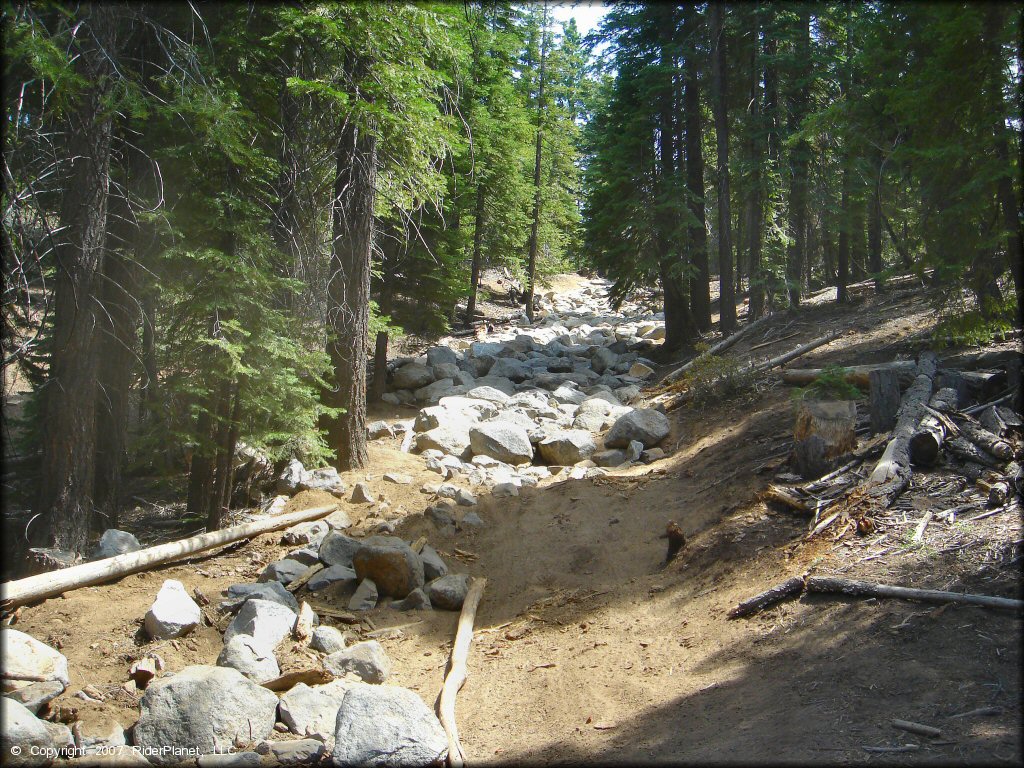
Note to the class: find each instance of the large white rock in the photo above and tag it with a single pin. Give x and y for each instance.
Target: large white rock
(501, 440)
(387, 726)
(645, 425)
(113, 543)
(452, 437)
(202, 708)
(366, 661)
(313, 710)
(24, 656)
(567, 447)
(267, 622)
(23, 733)
(412, 376)
(250, 657)
(174, 613)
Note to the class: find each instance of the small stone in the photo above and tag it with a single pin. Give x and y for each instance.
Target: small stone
(230, 760)
(311, 710)
(254, 660)
(113, 543)
(398, 478)
(361, 494)
(35, 695)
(365, 596)
(644, 425)
(640, 371)
(433, 566)
(338, 520)
(448, 592)
(378, 429)
(22, 732)
(307, 555)
(299, 752)
(174, 613)
(652, 455)
(567, 447)
(335, 574)
(269, 623)
(440, 516)
(634, 449)
(416, 600)
(610, 458)
(338, 549)
(390, 563)
(504, 490)
(311, 533)
(283, 571)
(270, 590)
(327, 639)
(366, 661)
(471, 520)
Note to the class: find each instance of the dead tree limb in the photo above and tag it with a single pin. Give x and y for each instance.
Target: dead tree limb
(891, 475)
(788, 588)
(926, 442)
(456, 676)
(44, 585)
(721, 346)
(832, 585)
(981, 437)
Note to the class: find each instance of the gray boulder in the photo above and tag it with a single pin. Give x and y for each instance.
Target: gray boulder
(412, 376)
(450, 437)
(323, 479)
(338, 549)
(291, 477)
(269, 623)
(283, 571)
(361, 494)
(433, 566)
(489, 393)
(644, 425)
(634, 450)
(253, 659)
(610, 458)
(22, 731)
(306, 533)
(442, 356)
(511, 369)
(365, 596)
(434, 392)
(567, 447)
(23, 656)
(335, 574)
(390, 563)
(448, 592)
(232, 760)
(445, 371)
(174, 613)
(34, 695)
(366, 661)
(114, 542)
(378, 429)
(387, 726)
(501, 440)
(205, 708)
(271, 590)
(327, 639)
(297, 752)
(306, 555)
(312, 710)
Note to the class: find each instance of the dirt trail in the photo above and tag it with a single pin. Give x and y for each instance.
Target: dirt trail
(589, 650)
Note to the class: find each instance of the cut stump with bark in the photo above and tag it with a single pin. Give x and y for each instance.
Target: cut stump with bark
(824, 430)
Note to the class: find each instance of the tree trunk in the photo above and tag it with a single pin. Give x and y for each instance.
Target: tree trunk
(884, 394)
(228, 415)
(531, 272)
(799, 158)
(755, 211)
(68, 424)
(478, 241)
(348, 291)
(875, 227)
(117, 326)
(727, 301)
(700, 285)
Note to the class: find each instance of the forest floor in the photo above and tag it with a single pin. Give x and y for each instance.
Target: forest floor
(588, 649)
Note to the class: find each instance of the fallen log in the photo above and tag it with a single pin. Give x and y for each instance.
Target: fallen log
(994, 358)
(456, 676)
(788, 497)
(832, 585)
(672, 401)
(926, 442)
(981, 437)
(788, 588)
(999, 420)
(859, 375)
(918, 728)
(892, 473)
(15, 593)
(721, 346)
(968, 451)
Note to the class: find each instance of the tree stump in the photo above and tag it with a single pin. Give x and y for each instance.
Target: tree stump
(885, 399)
(824, 431)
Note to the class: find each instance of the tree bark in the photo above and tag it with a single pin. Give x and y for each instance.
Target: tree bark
(926, 443)
(478, 241)
(799, 158)
(700, 285)
(884, 393)
(531, 272)
(68, 424)
(727, 302)
(755, 209)
(348, 291)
